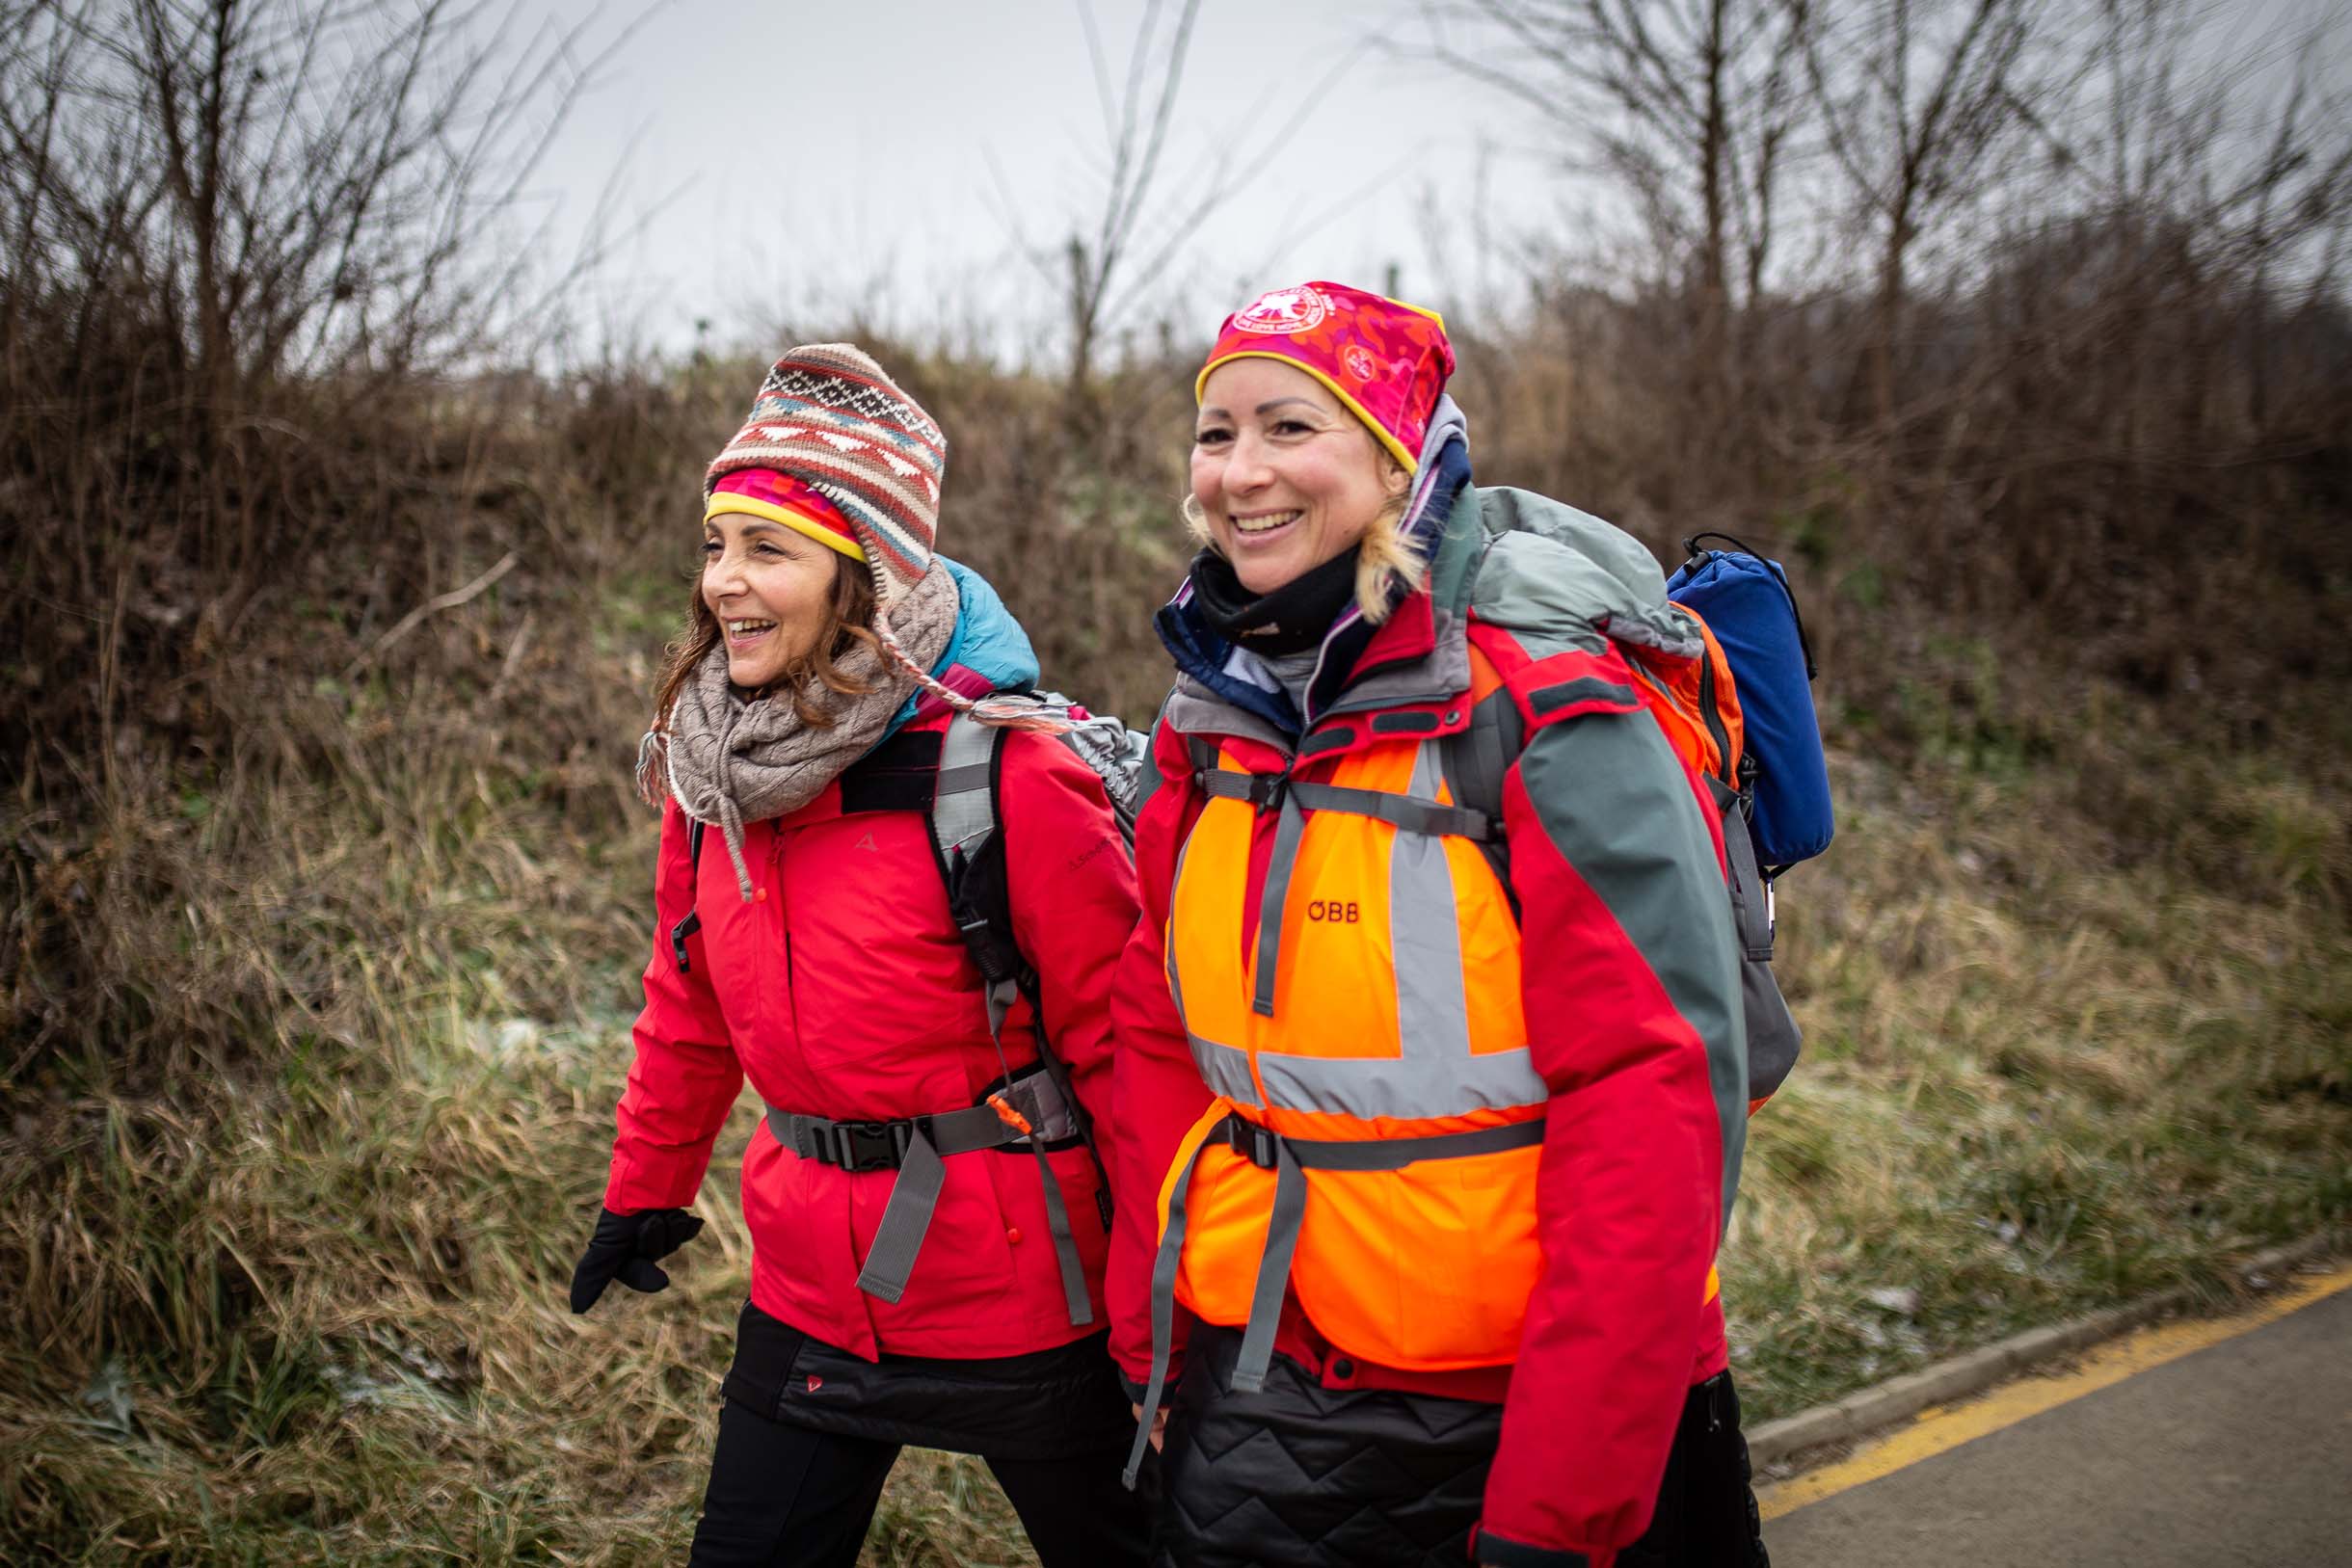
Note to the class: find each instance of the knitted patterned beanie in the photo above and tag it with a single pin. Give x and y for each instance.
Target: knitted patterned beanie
(829, 417)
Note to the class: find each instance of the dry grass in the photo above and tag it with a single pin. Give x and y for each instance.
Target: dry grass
(317, 949)
(307, 1306)
(2034, 1082)
(319, 984)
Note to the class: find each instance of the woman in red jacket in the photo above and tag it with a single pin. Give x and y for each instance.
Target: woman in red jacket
(929, 1223)
(1431, 1037)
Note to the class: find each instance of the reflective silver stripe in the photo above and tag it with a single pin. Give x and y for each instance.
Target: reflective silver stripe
(1424, 935)
(1168, 948)
(1225, 1069)
(1409, 1086)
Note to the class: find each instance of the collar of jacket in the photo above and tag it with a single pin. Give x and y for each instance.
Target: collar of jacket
(1201, 657)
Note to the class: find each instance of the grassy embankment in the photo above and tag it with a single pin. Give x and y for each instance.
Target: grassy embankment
(285, 1266)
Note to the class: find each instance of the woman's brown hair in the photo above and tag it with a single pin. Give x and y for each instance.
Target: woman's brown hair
(849, 618)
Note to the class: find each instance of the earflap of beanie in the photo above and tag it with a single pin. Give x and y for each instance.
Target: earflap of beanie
(898, 554)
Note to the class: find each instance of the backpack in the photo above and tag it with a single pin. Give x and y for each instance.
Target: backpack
(1745, 602)
(1698, 704)
(966, 823)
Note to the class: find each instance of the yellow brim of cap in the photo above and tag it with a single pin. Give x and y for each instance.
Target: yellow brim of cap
(1396, 447)
(726, 501)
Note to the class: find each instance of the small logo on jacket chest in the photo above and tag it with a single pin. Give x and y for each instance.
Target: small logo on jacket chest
(1345, 910)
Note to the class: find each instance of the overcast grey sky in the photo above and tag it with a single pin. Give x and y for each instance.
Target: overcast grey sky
(805, 161)
(808, 158)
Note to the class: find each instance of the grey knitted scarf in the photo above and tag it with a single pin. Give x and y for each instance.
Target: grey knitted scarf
(733, 761)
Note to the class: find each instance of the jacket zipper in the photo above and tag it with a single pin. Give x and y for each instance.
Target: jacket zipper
(783, 924)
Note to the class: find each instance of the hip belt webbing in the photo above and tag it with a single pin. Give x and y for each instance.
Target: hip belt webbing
(1288, 1158)
(917, 1148)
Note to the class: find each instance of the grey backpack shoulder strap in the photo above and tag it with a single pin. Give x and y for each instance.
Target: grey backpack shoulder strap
(964, 806)
(1473, 761)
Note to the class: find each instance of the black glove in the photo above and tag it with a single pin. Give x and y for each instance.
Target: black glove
(625, 1247)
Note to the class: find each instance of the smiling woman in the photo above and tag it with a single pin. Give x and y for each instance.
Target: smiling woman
(920, 1126)
(1430, 1047)
(784, 588)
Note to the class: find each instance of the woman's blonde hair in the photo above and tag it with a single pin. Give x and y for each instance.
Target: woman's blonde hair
(1385, 558)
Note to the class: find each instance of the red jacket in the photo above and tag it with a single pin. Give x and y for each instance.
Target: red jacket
(842, 990)
(1646, 1092)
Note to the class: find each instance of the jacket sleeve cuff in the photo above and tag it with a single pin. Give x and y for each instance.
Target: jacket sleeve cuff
(1493, 1551)
(1135, 1388)
(635, 1184)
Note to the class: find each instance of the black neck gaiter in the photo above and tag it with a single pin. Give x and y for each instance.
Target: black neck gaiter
(1290, 620)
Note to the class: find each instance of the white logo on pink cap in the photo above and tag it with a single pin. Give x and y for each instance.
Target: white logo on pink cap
(1284, 311)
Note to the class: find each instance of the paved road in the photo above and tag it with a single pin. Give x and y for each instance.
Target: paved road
(2238, 1453)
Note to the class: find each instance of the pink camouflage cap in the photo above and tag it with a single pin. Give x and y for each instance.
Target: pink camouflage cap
(1385, 360)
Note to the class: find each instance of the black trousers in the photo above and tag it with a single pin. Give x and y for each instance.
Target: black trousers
(783, 1496)
(1706, 1514)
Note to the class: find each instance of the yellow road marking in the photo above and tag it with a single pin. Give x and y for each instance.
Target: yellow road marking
(1939, 1430)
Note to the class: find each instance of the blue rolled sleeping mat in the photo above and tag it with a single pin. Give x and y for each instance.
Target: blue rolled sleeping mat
(1745, 601)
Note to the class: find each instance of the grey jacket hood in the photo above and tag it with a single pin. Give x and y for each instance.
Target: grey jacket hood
(1561, 578)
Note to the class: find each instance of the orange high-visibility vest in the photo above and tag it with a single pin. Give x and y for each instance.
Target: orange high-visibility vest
(1377, 1006)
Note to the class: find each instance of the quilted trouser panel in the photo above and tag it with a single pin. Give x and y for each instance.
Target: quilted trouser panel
(1300, 1476)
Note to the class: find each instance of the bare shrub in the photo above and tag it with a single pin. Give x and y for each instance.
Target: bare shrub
(2031, 400)
(244, 429)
